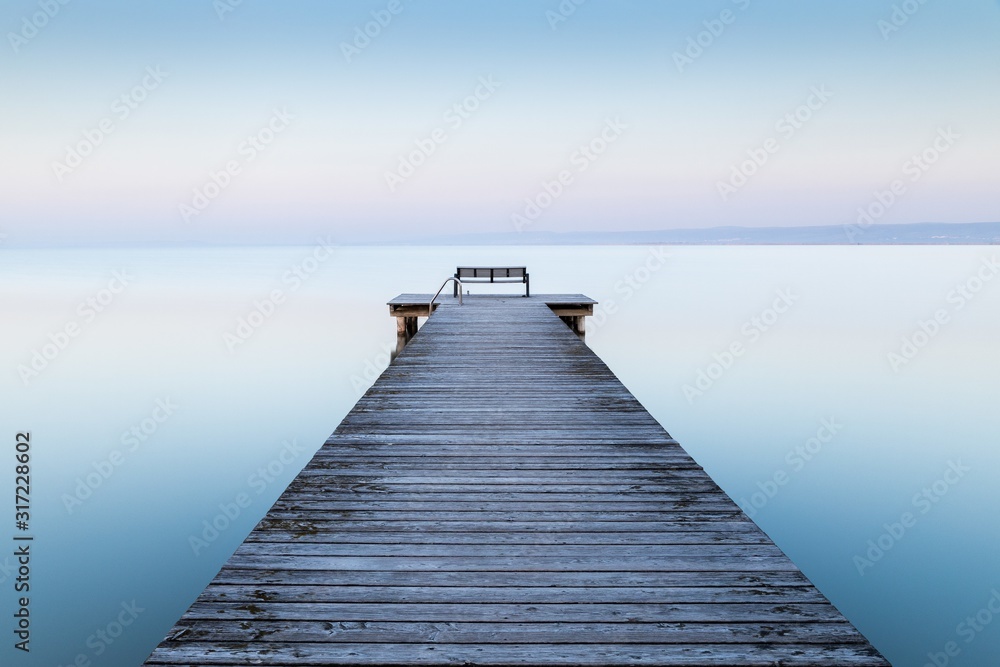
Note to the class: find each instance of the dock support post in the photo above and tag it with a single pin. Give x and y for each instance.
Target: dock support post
(406, 327)
(406, 322)
(578, 323)
(401, 339)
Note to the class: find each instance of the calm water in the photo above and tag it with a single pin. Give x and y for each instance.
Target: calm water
(846, 397)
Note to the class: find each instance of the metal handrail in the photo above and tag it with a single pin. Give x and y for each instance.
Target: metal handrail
(430, 306)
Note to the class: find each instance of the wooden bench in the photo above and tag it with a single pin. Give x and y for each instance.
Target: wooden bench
(506, 274)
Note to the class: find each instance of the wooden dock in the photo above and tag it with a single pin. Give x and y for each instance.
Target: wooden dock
(498, 497)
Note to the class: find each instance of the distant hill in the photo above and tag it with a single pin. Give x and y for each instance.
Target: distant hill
(929, 233)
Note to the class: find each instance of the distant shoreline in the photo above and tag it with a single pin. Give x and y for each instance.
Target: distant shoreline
(908, 234)
(930, 233)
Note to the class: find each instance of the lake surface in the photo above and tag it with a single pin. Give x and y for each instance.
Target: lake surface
(846, 397)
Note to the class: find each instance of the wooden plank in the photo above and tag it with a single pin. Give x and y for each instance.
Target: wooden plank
(334, 532)
(456, 502)
(462, 632)
(733, 655)
(513, 501)
(622, 528)
(496, 517)
(569, 578)
(515, 476)
(511, 594)
(576, 553)
(689, 563)
(743, 612)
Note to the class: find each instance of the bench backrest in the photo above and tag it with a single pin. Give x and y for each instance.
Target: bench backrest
(491, 273)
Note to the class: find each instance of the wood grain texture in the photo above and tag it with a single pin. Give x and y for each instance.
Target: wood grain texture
(498, 497)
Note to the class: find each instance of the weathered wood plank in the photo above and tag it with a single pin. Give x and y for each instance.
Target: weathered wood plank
(462, 632)
(491, 516)
(569, 578)
(333, 532)
(744, 612)
(740, 655)
(507, 594)
(733, 655)
(681, 510)
(370, 485)
(576, 554)
(622, 528)
(692, 562)
(665, 502)
(433, 476)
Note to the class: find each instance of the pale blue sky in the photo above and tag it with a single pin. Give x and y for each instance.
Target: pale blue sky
(557, 88)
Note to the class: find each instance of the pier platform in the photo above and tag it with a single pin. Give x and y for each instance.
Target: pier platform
(498, 497)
